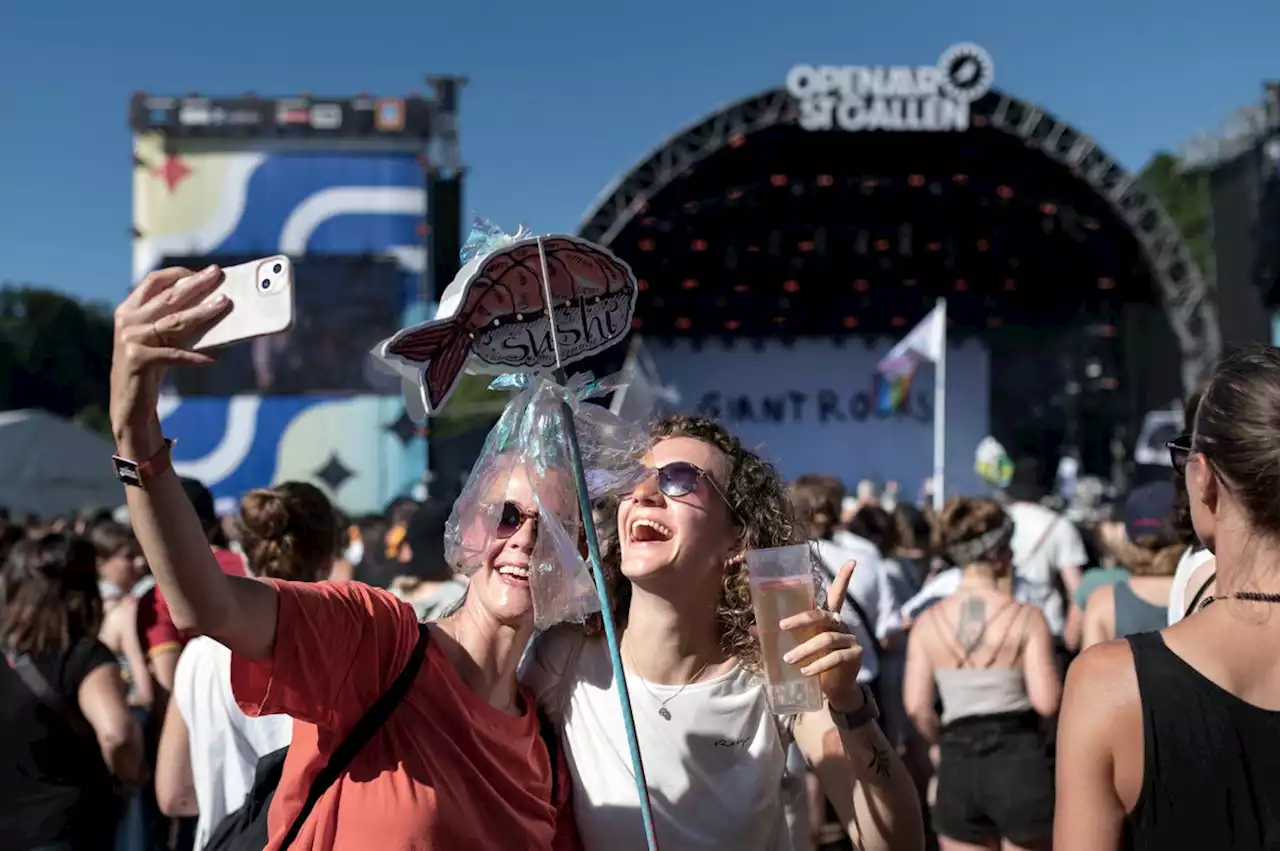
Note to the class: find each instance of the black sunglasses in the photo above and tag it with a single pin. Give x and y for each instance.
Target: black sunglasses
(1179, 452)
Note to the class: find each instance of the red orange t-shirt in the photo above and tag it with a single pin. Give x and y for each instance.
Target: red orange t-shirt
(446, 771)
(155, 625)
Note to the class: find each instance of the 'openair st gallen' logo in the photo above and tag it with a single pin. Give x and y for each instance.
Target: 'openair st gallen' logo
(928, 98)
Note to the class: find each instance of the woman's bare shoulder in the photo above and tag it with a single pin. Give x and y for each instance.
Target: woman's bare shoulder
(123, 616)
(1103, 679)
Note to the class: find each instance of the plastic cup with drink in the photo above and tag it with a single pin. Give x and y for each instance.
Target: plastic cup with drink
(782, 585)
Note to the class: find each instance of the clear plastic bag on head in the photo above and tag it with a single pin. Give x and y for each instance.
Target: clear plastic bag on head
(525, 475)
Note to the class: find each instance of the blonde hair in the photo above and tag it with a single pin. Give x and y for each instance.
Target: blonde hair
(1148, 556)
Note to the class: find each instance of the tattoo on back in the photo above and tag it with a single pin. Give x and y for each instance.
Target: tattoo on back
(972, 623)
(879, 761)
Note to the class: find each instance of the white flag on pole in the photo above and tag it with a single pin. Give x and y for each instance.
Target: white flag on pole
(924, 343)
(644, 395)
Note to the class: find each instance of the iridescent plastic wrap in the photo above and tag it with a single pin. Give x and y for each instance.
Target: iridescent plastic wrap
(524, 470)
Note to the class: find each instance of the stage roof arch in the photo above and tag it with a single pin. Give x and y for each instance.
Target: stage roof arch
(1119, 202)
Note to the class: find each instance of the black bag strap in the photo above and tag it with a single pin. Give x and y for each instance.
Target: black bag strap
(26, 669)
(548, 732)
(360, 734)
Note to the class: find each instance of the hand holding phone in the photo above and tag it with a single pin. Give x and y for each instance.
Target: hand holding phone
(261, 294)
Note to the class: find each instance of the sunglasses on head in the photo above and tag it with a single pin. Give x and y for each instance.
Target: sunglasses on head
(1179, 452)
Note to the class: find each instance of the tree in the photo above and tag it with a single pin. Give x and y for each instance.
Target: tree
(55, 353)
(1184, 194)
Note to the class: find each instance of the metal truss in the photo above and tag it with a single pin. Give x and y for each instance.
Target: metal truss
(1186, 298)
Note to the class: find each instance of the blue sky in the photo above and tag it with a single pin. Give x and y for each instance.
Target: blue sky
(565, 94)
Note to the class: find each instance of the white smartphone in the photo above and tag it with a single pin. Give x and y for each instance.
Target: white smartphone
(261, 294)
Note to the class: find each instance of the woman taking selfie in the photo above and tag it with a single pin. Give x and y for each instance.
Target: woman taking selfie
(461, 762)
(714, 754)
(1171, 739)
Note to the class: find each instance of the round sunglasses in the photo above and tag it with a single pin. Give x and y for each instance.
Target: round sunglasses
(680, 478)
(677, 479)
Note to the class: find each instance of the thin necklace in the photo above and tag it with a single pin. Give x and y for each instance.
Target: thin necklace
(1251, 596)
(662, 704)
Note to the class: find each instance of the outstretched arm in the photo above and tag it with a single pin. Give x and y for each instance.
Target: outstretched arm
(163, 314)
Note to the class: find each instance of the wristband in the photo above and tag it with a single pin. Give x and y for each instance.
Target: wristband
(140, 475)
(865, 714)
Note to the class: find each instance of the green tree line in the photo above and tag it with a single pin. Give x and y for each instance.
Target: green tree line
(55, 354)
(1184, 193)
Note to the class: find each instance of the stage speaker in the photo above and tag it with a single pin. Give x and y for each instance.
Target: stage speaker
(1235, 200)
(444, 236)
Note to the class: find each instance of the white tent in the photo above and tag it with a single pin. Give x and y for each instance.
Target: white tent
(50, 466)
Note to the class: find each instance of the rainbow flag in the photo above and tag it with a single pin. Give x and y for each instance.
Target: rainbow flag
(891, 392)
(896, 370)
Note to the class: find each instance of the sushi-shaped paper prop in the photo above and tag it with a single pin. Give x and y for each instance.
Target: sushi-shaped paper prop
(521, 493)
(493, 317)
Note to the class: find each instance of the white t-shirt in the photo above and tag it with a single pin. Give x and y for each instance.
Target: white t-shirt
(716, 771)
(1043, 543)
(939, 586)
(1188, 564)
(225, 743)
(945, 583)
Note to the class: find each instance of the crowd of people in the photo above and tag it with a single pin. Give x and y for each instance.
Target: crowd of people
(994, 675)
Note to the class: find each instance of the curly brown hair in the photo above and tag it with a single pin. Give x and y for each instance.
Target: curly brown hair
(764, 518)
(290, 532)
(1150, 555)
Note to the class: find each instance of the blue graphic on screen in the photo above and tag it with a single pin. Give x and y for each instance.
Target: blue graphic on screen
(316, 412)
(362, 450)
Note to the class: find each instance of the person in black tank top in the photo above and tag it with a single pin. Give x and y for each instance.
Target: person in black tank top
(1212, 762)
(1171, 739)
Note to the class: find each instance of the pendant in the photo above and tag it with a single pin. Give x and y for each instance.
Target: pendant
(662, 710)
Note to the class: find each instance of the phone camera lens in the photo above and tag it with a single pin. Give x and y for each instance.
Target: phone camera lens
(266, 283)
(277, 268)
